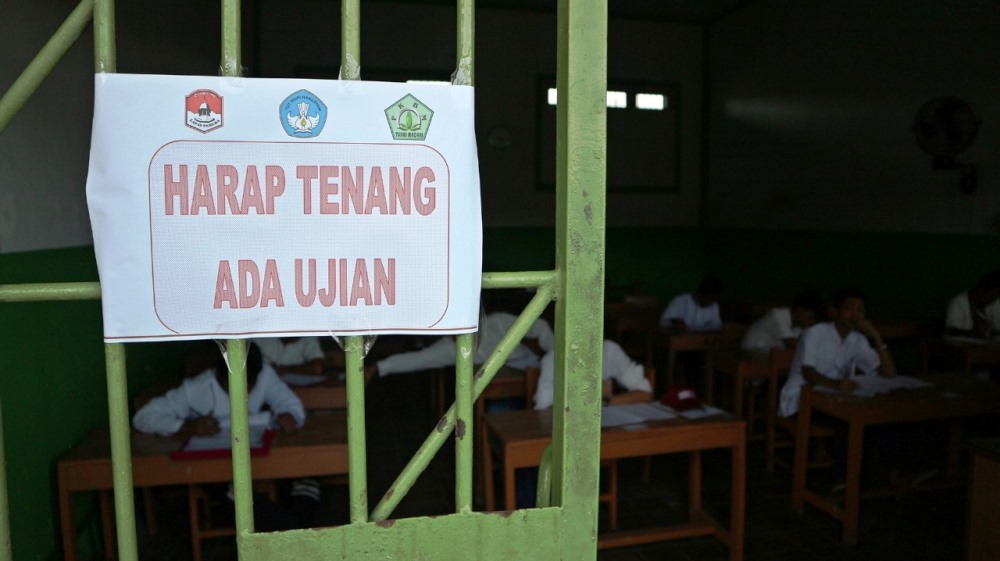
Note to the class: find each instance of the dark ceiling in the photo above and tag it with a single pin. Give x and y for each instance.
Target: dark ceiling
(682, 11)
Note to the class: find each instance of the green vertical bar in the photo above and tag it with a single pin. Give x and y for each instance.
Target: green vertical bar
(236, 355)
(357, 478)
(463, 423)
(465, 75)
(121, 451)
(231, 63)
(350, 40)
(104, 36)
(6, 554)
(580, 217)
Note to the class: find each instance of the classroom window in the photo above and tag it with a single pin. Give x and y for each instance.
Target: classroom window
(642, 129)
(655, 102)
(615, 99)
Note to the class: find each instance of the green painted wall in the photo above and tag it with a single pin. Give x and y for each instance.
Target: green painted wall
(905, 276)
(53, 390)
(52, 385)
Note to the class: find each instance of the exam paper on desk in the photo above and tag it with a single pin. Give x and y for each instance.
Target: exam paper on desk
(619, 415)
(869, 386)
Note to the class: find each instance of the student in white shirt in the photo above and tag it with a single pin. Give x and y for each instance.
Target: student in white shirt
(976, 313)
(829, 354)
(696, 311)
(196, 406)
(781, 327)
(538, 340)
(616, 368)
(293, 355)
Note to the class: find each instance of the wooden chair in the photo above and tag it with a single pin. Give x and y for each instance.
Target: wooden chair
(200, 511)
(780, 362)
(633, 325)
(507, 383)
(610, 495)
(674, 343)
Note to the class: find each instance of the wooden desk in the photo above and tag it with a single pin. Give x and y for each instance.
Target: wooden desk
(953, 397)
(741, 366)
(982, 538)
(520, 437)
(319, 449)
(960, 353)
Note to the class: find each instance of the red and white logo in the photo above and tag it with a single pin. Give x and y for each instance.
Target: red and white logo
(203, 110)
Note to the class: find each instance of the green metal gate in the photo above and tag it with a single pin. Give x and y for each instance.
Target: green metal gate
(565, 530)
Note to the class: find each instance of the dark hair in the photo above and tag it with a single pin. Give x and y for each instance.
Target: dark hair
(845, 293)
(710, 286)
(990, 281)
(810, 300)
(255, 361)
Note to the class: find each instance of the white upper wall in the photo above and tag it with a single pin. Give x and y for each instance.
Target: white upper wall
(44, 151)
(812, 104)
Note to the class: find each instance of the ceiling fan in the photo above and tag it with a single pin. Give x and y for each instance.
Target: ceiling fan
(944, 127)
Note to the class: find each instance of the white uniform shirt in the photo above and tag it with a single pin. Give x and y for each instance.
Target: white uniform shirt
(696, 318)
(770, 331)
(617, 366)
(202, 395)
(441, 353)
(959, 314)
(300, 351)
(822, 348)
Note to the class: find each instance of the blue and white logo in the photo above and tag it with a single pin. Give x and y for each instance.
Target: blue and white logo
(302, 114)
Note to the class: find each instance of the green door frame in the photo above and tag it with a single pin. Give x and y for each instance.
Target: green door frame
(565, 530)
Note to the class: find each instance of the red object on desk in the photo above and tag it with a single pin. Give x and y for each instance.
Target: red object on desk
(255, 451)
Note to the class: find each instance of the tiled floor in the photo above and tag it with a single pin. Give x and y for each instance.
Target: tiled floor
(922, 527)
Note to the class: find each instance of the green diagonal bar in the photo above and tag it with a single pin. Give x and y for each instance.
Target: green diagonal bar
(121, 450)
(41, 66)
(357, 476)
(418, 463)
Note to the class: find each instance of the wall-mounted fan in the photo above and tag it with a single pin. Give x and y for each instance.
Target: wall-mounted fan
(945, 126)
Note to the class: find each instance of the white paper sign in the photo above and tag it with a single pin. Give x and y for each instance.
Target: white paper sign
(237, 207)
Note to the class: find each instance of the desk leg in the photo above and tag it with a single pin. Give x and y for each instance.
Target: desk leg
(737, 518)
(488, 498)
(956, 429)
(509, 487)
(108, 524)
(66, 523)
(671, 359)
(852, 497)
(710, 380)
(694, 485)
(800, 465)
(738, 380)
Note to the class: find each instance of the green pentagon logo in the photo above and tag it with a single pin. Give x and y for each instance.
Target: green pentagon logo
(409, 119)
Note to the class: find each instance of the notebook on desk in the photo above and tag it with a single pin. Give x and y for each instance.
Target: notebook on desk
(219, 445)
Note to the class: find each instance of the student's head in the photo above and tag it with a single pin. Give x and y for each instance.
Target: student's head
(987, 290)
(254, 363)
(807, 308)
(709, 291)
(848, 308)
